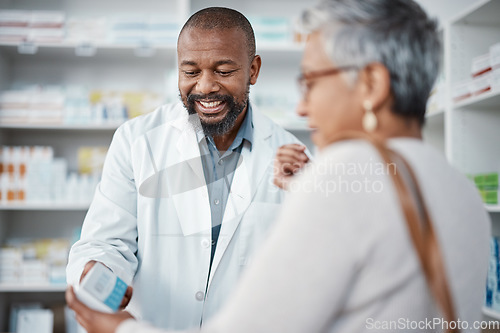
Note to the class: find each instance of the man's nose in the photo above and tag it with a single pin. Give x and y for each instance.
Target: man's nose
(207, 83)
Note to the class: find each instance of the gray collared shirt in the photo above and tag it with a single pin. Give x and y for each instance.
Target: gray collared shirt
(219, 168)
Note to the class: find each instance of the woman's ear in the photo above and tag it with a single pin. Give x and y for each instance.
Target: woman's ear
(376, 85)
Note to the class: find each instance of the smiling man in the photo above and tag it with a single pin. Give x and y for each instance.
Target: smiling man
(187, 191)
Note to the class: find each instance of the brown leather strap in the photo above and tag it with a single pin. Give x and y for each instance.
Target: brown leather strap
(419, 225)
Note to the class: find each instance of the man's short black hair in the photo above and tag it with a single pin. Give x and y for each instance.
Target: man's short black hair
(223, 18)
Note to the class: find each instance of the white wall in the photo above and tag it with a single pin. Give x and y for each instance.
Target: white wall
(445, 10)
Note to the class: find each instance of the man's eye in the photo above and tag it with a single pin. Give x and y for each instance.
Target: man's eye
(224, 73)
(190, 73)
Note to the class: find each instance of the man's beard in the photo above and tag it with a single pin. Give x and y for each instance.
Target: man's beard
(225, 125)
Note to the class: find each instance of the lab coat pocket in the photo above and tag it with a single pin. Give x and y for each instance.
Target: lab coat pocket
(254, 227)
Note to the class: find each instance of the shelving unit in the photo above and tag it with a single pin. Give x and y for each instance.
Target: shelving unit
(493, 208)
(44, 207)
(113, 67)
(471, 127)
(15, 288)
(466, 132)
(62, 127)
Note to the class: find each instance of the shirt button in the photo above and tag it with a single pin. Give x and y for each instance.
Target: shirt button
(221, 161)
(205, 243)
(199, 296)
(216, 201)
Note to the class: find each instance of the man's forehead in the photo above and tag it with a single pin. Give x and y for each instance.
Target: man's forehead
(216, 44)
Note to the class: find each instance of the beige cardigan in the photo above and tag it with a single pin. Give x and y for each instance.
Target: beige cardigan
(340, 258)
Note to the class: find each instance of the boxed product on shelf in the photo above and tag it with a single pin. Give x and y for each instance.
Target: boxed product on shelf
(14, 106)
(47, 19)
(32, 105)
(127, 29)
(14, 18)
(487, 184)
(486, 180)
(271, 30)
(490, 197)
(34, 26)
(481, 65)
(119, 106)
(482, 83)
(35, 320)
(162, 31)
(33, 175)
(495, 55)
(495, 79)
(73, 105)
(11, 260)
(91, 160)
(462, 90)
(13, 34)
(87, 30)
(46, 35)
(492, 299)
(34, 262)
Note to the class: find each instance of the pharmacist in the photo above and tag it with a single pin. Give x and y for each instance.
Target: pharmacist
(186, 197)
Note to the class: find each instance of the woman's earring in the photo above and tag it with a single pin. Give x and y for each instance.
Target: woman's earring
(369, 120)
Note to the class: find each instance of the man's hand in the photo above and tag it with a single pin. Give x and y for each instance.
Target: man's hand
(95, 321)
(128, 293)
(289, 159)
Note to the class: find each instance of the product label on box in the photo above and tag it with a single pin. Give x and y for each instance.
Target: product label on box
(115, 298)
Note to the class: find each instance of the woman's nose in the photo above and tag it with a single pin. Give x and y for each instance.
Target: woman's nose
(302, 109)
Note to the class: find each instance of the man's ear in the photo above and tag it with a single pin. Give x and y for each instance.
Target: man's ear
(376, 84)
(255, 69)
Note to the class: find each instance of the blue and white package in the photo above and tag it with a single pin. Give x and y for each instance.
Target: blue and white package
(101, 289)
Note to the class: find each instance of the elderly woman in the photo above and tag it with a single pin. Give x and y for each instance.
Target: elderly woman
(344, 256)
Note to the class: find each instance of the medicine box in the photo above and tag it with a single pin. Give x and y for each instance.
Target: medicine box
(101, 289)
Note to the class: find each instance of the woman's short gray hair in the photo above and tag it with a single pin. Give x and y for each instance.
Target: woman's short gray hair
(396, 33)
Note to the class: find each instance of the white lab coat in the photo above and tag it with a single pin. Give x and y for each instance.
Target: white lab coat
(150, 218)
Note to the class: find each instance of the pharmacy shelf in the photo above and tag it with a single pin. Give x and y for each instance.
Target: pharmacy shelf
(20, 288)
(435, 114)
(44, 206)
(75, 127)
(491, 313)
(481, 12)
(92, 51)
(66, 49)
(492, 208)
(487, 100)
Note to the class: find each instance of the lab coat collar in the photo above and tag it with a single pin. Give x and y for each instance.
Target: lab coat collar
(249, 172)
(248, 175)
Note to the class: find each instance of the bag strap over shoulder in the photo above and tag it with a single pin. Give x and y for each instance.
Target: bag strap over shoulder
(419, 223)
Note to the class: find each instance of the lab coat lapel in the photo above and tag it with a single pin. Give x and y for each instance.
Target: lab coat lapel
(193, 207)
(251, 168)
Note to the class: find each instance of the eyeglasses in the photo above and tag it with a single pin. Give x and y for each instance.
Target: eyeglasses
(304, 79)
